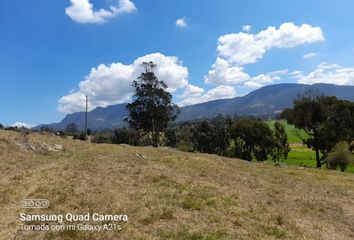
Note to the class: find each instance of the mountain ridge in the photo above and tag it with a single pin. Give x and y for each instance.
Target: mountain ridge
(267, 100)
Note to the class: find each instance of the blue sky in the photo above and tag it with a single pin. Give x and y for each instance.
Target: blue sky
(48, 47)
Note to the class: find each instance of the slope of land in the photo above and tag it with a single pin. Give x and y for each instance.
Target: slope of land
(261, 102)
(169, 194)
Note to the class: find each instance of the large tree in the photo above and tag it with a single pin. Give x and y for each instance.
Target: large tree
(152, 109)
(252, 139)
(326, 120)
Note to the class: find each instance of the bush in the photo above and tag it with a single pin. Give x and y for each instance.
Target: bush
(102, 138)
(351, 148)
(71, 129)
(1, 126)
(81, 136)
(89, 132)
(62, 134)
(340, 156)
(171, 137)
(11, 128)
(129, 136)
(122, 136)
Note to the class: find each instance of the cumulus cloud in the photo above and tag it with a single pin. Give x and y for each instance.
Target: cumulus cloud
(181, 22)
(192, 91)
(327, 73)
(112, 84)
(309, 55)
(247, 28)
(220, 92)
(235, 50)
(244, 48)
(82, 11)
(22, 124)
(224, 73)
(264, 79)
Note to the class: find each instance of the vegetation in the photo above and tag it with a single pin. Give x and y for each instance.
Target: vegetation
(294, 134)
(326, 120)
(171, 194)
(151, 110)
(80, 135)
(281, 145)
(71, 129)
(252, 139)
(340, 157)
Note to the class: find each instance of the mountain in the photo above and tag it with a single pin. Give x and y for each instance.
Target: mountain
(264, 101)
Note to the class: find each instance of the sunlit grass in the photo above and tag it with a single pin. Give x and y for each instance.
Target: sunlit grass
(171, 194)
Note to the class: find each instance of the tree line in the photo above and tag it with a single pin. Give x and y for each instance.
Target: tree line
(245, 138)
(328, 122)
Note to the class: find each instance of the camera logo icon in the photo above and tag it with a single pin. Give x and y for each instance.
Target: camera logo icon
(35, 203)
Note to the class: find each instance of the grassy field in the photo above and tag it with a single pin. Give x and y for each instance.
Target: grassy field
(169, 194)
(300, 155)
(304, 157)
(294, 135)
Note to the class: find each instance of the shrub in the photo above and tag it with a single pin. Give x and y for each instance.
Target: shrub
(339, 157)
(81, 136)
(129, 136)
(171, 137)
(352, 147)
(122, 136)
(71, 129)
(102, 138)
(89, 132)
(1, 126)
(62, 134)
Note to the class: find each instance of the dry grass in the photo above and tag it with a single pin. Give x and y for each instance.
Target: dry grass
(171, 194)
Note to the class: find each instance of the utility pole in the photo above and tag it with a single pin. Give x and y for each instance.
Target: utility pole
(86, 115)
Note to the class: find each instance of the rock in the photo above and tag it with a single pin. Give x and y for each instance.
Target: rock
(23, 146)
(281, 165)
(33, 148)
(46, 147)
(58, 147)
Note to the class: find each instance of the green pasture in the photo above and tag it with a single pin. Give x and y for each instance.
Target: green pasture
(304, 157)
(300, 155)
(294, 135)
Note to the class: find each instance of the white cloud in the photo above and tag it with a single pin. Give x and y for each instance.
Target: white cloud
(22, 124)
(264, 79)
(247, 28)
(260, 81)
(223, 73)
(296, 74)
(238, 49)
(244, 48)
(309, 55)
(112, 84)
(192, 91)
(220, 92)
(328, 73)
(82, 11)
(181, 22)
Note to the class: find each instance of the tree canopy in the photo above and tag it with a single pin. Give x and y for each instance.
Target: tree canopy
(326, 120)
(152, 109)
